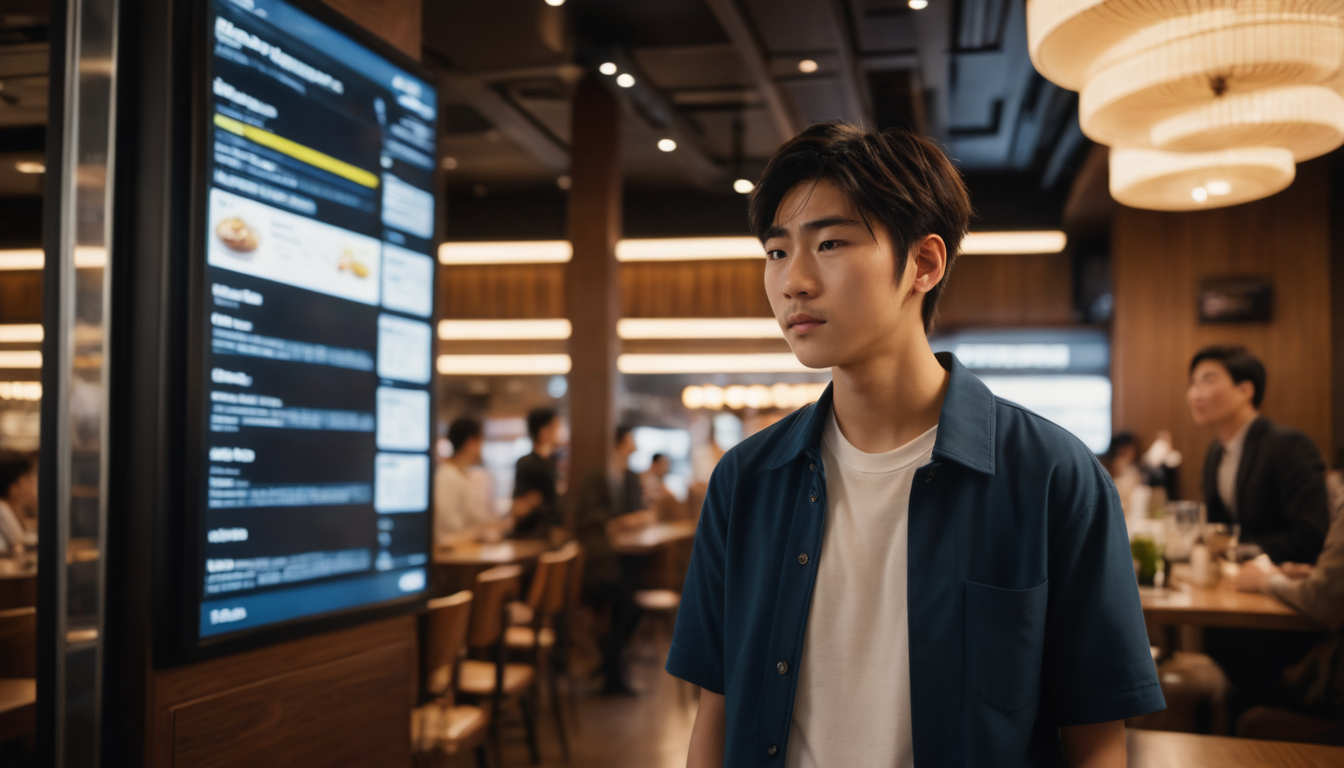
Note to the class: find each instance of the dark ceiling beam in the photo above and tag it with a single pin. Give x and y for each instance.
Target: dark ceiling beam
(743, 37)
(858, 103)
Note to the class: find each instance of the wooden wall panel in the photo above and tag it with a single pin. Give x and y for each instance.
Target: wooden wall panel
(21, 297)
(719, 288)
(337, 699)
(398, 22)
(1007, 291)
(492, 292)
(1158, 260)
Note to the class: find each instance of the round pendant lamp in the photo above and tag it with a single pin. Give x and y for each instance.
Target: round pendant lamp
(1186, 181)
(1307, 120)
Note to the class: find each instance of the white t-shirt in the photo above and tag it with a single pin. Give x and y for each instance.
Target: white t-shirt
(853, 701)
(460, 502)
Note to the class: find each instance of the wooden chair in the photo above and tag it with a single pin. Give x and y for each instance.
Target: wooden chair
(443, 727)
(18, 673)
(660, 601)
(492, 678)
(546, 602)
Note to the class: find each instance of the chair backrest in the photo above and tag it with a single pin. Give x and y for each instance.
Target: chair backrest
(575, 595)
(541, 579)
(493, 589)
(18, 642)
(555, 596)
(445, 638)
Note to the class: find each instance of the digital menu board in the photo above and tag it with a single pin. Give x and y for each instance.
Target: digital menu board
(315, 399)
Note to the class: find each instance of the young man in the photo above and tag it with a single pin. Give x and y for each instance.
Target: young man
(18, 504)
(460, 504)
(910, 571)
(1267, 477)
(536, 494)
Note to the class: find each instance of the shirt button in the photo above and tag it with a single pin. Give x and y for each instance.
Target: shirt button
(773, 749)
(812, 466)
(814, 498)
(782, 667)
(802, 559)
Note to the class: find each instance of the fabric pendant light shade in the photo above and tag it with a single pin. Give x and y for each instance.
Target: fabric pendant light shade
(1307, 120)
(1184, 181)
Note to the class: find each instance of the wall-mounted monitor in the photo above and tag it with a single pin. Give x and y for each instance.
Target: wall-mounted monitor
(311, 394)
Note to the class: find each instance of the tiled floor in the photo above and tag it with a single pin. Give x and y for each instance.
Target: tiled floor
(648, 731)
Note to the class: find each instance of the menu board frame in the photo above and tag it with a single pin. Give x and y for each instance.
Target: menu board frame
(184, 529)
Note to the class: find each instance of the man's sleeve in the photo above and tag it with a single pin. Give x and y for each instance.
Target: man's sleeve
(527, 477)
(697, 641)
(1097, 664)
(1303, 499)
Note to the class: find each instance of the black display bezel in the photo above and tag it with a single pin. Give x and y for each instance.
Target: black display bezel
(188, 563)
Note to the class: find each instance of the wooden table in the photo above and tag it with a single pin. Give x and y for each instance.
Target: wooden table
(18, 707)
(1221, 606)
(456, 568)
(1166, 749)
(642, 541)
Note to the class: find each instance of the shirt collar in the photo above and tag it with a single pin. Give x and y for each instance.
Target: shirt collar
(1238, 441)
(965, 425)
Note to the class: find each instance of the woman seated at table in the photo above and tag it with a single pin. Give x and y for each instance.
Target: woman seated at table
(1314, 688)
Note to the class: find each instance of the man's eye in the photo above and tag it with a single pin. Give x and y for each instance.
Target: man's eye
(829, 245)
(775, 255)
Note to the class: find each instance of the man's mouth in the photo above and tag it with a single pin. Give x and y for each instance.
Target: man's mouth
(801, 323)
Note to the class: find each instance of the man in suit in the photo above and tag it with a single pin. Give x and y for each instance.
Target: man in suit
(1271, 480)
(1265, 476)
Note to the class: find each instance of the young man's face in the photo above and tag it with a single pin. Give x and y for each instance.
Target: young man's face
(1213, 396)
(832, 284)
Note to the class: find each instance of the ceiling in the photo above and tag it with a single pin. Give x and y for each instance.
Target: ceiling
(720, 77)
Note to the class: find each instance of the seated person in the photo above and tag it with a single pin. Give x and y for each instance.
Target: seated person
(1265, 476)
(461, 506)
(18, 505)
(536, 494)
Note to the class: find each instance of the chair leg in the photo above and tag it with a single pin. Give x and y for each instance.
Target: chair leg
(530, 724)
(496, 738)
(553, 684)
(482, 760)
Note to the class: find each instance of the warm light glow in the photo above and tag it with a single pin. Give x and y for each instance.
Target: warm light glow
(1008, 243)
(698, 328)
(555, 3)
(20, 359)
(1199, 194)
(763, 362)
(667, 145)
(754, 396)
(1219, 187)
(689, 249)
(500, 330)
(607, 68)
(90, 257)
(518, 252)
(625, 80)
(27, 258)
(503, 365)
(693, 397)
(918, 5)
(807, 66)
(743, 186)
(30, 332)
(1178, 181)
(20, 390)
(29, 166)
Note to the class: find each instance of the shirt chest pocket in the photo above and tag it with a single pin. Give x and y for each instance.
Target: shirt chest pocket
(1005, 641)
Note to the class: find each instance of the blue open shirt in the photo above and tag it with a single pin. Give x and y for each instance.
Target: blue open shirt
(1023, 609)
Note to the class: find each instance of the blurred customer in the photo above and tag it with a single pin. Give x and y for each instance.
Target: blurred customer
(535, 493)
(595, 511)
(657, 497)
(1313, 698)
(460, 504)
(629, 490)
(18, 505)
(1122, 461)
(1265, 476)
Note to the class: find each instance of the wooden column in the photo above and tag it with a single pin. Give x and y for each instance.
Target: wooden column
(592, 282)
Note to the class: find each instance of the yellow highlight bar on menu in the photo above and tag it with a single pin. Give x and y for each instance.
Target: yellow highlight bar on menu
(298, 151)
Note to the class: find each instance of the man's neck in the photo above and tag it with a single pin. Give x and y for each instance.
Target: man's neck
(462, 461)
(886, 401)
(1228, 428)
(544, 450)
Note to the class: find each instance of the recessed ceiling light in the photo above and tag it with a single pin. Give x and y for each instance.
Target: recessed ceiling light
(625, 79)
(555, 3)
(563, 182)
(1200, 194)
(30, 166)
(743, 186)
(448, 163)
(918, 5)
(807, 66)
(667, 145)
(607, 68)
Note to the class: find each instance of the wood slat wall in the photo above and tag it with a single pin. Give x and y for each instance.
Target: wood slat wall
(1158, 260)
(1007, 291)
(496, 292)
(727, 288)
(21, 297)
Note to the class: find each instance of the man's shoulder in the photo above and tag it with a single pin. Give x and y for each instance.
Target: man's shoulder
(1024, 436)
(755, 453)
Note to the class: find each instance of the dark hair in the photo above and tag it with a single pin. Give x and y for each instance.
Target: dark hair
(1121, 440)
(539, 419)
(895, 178)
(1241, 365)
(656, 457)
(461, 430)
(13, 467)
(621, 431)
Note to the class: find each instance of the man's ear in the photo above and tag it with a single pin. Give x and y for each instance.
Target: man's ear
(929, 258)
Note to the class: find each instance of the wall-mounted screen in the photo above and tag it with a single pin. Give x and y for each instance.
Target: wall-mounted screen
(315, 397)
